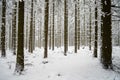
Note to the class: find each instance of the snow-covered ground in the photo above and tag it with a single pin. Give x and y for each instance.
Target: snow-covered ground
(80, 66)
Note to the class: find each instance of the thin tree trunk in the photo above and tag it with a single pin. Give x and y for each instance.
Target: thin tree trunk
(96, 31)
(50, 32)
(10, 36)
(59, 26)
(90, 29)
(46, 27)
(33, 43)
(3, 52)
(78, 24)
(75, 42)
(39, 35)
(14, 29)
(26, 43)
(53, 39)
(31, 30)
(65, 27)
(84, 40)
(118, 35)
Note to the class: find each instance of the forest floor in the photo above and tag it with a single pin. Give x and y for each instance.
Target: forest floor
(74, 66)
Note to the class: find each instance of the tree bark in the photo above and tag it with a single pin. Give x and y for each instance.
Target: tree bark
(53, 39)
(90, 29)
(3, 52)
(84, 31)
(33, 33)
(65, 27)
(78, 22)
(31, 30)
(14, 28)
(26, 42)
(20, 46)
(46, 17)
(106, 47)
(50, 32)
(75, 41)
(96, 31)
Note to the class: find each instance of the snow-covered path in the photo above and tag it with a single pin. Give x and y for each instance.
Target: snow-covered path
(80, 66)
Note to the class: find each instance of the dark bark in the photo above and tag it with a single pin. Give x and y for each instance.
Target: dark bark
(20, 46)
(96, 31)
(46, 17)
(106, 47)
(65, 27)
(3, 52)
(53, 39)
(78, 24)
(31, 30)
(75, 41)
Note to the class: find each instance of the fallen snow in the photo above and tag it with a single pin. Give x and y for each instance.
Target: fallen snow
(74, 66)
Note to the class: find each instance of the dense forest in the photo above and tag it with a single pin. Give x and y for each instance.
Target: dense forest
(58, 25)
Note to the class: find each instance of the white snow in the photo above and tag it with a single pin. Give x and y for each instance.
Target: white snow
(74, 66)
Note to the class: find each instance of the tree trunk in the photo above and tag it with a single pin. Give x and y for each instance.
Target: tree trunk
(10, 36)
(65, 27)
(78, 22)
(33, 33)
(96, 31)
(90, 29)
(84, 33)
(39, 36)
(53, 39)
(106, 47)
(3, 52)
(75, 41)
(31, 30)
(14, 28)
(26, 43)
(50, 32)
(20, 46)
(59, 31)
(46, 17)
